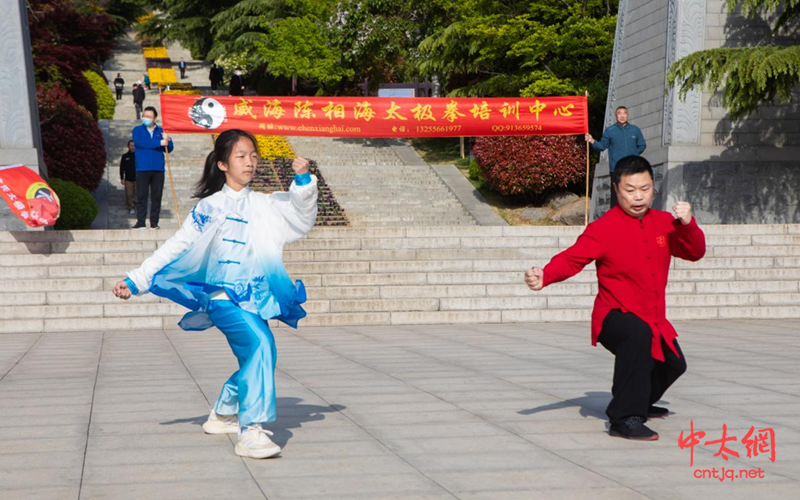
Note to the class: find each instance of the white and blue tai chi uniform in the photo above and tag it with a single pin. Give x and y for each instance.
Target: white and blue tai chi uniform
(225, 264)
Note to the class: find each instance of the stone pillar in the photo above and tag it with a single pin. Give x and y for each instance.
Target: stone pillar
(731, 172)
(20, 138)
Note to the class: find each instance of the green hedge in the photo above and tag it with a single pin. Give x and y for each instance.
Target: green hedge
(476, 174)
(106, 103)
(78, 208)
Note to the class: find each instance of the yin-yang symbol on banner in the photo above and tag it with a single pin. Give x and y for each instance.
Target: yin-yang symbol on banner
(207, 113)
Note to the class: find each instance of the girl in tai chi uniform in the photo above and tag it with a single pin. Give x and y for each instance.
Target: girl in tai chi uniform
(225, 264)
(633, 245)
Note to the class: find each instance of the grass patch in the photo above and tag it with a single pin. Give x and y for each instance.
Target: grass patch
(438, 150)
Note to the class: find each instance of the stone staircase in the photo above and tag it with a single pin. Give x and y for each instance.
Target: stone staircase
(376, 187)
(62, 281)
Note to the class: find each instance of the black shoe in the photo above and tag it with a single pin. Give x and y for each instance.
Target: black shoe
(155, 227)
(633, 428)
(657, 412)
(138, 226)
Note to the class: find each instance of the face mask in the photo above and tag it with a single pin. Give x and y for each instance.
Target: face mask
(147, 122)
(238, 73)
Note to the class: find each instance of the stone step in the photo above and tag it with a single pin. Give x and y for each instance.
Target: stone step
(142, 317)
(61, 280)
(105, 305)
(716, 235)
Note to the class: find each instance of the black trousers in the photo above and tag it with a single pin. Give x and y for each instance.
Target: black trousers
(639, 380)
(119, 94)
(183, 73)
(152, 183)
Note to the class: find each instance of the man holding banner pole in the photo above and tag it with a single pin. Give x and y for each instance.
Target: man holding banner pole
(621, 139)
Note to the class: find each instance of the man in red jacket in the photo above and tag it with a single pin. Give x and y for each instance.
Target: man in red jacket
(633, 245)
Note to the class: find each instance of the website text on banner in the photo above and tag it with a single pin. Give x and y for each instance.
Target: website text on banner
(376, 116)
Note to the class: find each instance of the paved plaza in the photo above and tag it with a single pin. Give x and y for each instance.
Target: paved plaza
(507, 411)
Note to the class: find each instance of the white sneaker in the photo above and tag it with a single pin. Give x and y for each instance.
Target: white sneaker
(221, 424)
(254, 442)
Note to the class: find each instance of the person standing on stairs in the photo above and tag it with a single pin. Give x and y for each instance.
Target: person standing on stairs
(633, 246)
(620, 139)
(138, 99)
(119, 84)
(213, 76)
(225, 264)
(237, 83)
(127, 177)
(182, 67)
(151, 142)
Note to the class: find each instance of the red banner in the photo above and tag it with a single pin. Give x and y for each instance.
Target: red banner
(376, 116)
(29, 196)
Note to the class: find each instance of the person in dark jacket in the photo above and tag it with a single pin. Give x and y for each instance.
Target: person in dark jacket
(220, 75)
(119, 84)
(151, 142)
(621, 139)
(138, 99)
(213, 76)
(237, 83)
(182, 67)
(127, 177)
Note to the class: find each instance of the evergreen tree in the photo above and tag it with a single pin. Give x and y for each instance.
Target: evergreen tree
(747, 76)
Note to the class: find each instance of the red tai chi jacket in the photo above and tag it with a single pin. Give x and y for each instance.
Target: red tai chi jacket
(633, 257)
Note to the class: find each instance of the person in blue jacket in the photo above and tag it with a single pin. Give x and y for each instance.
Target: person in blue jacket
(151, 141)
(621, 139)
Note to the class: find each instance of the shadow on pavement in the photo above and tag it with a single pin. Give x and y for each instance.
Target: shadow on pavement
(291, 415)
(593, 404)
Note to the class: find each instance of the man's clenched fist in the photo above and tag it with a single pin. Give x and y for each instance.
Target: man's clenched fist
(683, 211)
(534, 278)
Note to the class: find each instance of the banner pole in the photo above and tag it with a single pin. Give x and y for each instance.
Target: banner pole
(169, 169)
(586, 211)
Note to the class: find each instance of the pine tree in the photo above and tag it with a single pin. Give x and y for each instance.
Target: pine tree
(748, 77)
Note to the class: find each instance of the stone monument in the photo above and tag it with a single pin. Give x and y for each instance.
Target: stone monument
(745, 172)
(20, 138)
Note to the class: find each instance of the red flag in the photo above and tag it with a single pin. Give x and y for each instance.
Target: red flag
(376, 116)
(29, 196)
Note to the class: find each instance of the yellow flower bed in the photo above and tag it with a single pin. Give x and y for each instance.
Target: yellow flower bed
(144, 18)
(162, 76)
(273, 146)
(182, 92)
(155, 52)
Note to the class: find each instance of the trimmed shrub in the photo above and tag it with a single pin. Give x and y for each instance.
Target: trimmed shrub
(78, 208)
(476, 174)
(530, 166)
(72, 144)
(83, 94)
(106, 104)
